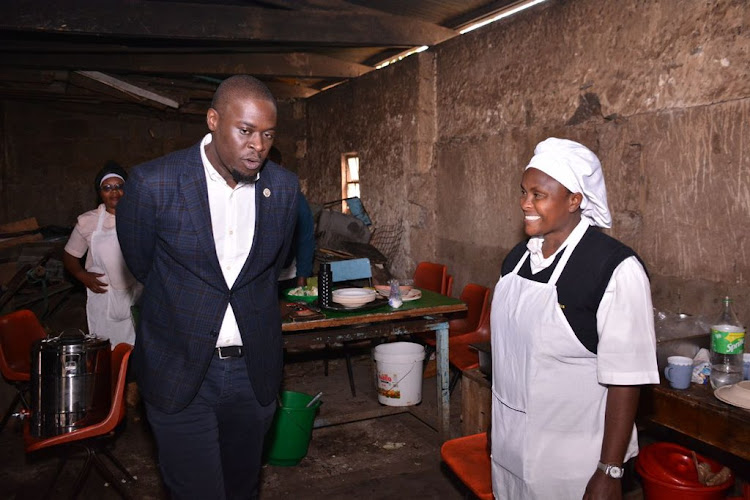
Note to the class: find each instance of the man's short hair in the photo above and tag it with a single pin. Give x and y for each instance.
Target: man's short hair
(241, 85)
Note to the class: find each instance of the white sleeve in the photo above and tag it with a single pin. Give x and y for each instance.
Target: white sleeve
(626, 354)
(77, 244)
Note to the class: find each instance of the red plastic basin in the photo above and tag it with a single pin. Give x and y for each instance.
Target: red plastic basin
(667, 474)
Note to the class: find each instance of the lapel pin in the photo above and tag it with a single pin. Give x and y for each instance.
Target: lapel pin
(267, 193)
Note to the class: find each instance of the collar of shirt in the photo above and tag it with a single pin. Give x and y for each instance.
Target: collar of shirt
(534, 245)
(212, 174)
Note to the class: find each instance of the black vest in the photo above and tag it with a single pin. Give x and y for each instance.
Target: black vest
(582, 283)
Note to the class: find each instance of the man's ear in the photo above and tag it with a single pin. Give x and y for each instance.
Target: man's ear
(212, 119)
(575, 202)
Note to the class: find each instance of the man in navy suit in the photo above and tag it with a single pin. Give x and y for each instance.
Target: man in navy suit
(206, 230)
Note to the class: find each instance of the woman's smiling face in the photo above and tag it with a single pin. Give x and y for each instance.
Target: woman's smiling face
(549, 209)
(111, 191)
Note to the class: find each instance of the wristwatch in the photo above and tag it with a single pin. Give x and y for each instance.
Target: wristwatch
(613, 471)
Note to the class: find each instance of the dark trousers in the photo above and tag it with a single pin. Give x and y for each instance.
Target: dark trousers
(212, 449)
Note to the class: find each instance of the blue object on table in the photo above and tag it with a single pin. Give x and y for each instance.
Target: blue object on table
(353, 269)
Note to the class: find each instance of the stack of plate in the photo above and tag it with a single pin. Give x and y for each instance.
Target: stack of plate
(353, 297)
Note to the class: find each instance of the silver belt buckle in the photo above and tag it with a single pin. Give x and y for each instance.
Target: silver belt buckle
(220, 355)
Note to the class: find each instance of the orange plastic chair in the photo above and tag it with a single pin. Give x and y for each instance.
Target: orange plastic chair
(461, 355)
(431, 276)
(477, 300)
(18, 331)
(475, 327)
(93, 437)
(469, 460)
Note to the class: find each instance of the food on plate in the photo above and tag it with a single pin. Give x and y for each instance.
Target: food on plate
(304, 291)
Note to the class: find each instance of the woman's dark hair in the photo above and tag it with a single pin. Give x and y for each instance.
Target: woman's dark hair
(111, 167)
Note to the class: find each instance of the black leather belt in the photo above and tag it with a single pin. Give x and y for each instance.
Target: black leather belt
(231, 351)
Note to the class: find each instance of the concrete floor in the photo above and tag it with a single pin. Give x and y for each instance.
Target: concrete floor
(390, 457)
(394, 456)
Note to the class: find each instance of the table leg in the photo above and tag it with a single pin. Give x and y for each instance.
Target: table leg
(443, 381)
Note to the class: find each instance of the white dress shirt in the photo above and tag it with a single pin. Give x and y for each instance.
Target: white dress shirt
(233, 224)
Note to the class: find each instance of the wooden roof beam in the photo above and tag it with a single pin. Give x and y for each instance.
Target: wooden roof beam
(296, 64)
(188, 21)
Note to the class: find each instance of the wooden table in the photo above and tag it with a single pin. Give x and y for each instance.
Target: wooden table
(697, 413)
(431, 312)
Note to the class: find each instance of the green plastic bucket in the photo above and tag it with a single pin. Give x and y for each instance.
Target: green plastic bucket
(289, 437)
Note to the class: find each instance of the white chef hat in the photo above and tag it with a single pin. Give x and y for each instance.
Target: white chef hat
(577, 168)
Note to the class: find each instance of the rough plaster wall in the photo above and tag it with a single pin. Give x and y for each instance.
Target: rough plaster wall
(658, 89)
(388, 119)
(53, 151)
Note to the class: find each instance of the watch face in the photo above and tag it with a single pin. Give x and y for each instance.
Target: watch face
(615, 472)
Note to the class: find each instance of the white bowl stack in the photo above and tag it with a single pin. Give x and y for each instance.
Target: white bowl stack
(353, 297)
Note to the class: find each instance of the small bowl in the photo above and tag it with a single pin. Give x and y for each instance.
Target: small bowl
(385, 290)
(299, 298)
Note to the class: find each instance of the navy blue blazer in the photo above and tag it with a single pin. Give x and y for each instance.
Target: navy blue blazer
(164, 229)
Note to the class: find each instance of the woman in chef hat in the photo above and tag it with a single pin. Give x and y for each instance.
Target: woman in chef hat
(572, 338)
(111, 288)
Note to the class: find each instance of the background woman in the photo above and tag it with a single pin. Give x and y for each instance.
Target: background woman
(572, 338)
(111, 288)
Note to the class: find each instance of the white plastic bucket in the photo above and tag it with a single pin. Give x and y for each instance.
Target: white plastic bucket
(399, 373)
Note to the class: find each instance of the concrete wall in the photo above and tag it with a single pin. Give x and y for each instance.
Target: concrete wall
(51, 153)
(658, 89)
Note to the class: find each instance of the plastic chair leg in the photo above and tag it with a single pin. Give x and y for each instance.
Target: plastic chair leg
(11, 408)
(108, 476)
(81, 479)
(118, 464)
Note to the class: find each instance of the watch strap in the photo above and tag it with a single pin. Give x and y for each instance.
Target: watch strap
(612, 470)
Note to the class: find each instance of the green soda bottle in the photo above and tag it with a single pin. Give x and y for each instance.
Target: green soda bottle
(727, 346)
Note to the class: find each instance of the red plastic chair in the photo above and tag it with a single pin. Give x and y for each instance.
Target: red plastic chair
(431, 276)
(93, 437)
(18, 331)
(475, 327)
(469, 459)
(477, 300)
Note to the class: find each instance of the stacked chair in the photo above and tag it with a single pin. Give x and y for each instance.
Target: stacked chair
(18, 331)
(475, 327)
(431, 276)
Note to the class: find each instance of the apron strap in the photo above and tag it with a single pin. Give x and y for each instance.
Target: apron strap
(520, 262)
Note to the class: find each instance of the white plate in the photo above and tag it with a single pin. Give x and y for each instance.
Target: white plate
(353, 302)
(354, 292)
(736, 395)
(413, 294)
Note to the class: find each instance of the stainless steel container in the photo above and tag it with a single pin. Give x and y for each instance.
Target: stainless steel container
(70, 383)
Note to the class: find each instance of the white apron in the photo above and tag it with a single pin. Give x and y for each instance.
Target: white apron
(547, 406)
(108, 313)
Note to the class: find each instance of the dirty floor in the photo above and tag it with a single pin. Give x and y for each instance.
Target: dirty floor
(394, 456)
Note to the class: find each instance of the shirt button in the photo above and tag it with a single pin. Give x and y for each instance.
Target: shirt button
(231, 232)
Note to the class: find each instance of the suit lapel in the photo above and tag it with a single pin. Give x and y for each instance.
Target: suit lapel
(195, 194)
(263, 196)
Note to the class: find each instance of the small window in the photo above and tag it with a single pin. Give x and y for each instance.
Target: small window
(349, 177)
